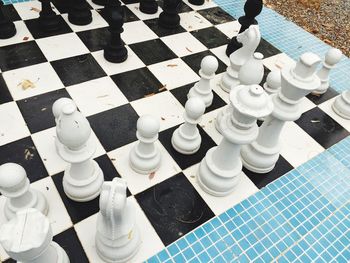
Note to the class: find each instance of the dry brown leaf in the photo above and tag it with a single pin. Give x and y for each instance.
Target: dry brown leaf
(151, 175)
(172, 65)
(25, 38)
(35, 9)
(149, 95)
(189, 50)
(26, 84)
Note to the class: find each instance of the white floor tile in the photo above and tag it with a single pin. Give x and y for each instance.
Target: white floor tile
(22, 35)
(137, 31)
(193, 21)
(230, 29)
(327, 108)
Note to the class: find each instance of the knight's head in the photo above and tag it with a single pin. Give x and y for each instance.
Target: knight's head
(250, 34)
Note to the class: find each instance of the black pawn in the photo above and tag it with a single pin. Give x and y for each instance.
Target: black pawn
(252, 9)
(7, 27)
(148, 6)
(170, 18)
(115, 51)
(111, 7)
(79, 13)
(196, 2)
(48, 19)
(100, 2)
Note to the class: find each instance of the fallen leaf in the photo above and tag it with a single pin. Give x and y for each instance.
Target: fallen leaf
(25, 38)
(130, 234)
(149, 95)
(162, 88)
(44, 109)
(26, 84)
(151, 175)
(172, 65)
(35, 9)
(189, 50)
(162, 118)
(28, 155)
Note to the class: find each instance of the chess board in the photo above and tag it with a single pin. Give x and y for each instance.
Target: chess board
(37, 68)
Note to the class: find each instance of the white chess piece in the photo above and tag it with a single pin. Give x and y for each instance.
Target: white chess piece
(14, 184)
(28, 239)
(333, 56)
(252, 72)
(145, 156)
(117, 237)
(202, 88)
(219, 171)
(83, 178)
(186, 139)
(341, 105)
(273, 82)
(250, 40)
(261, 155)
(56, 111)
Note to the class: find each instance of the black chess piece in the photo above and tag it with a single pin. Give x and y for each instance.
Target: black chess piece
(115, 51)
(100, 2)
(7, 27)
(148, 6)
(79, 13)
(252, 9)
(196, 2)
(170, 18)
(111, 7)
(48, 20)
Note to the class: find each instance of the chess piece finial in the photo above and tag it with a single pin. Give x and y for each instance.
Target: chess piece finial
(83, 178)
(202, 88)
(252, 9)
(7, 27)
(186, 139)
(58, 105)
(144, 156)
(341, 105)
(15, 186)
(28, 238)
(115, 51)
(273, 82)
(118, 237)
(219, 171)
(333, 56)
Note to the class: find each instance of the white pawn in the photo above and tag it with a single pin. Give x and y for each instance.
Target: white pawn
(14, 184)
(202, 88)
(273, 82)
(186, 139)
(83, 178)
(145, 156)
(56, 111)
(341, 105)
(333, 56)
(117, 237)
(27, 238)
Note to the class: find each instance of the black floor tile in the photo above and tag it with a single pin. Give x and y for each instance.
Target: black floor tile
(216, 15)
(5, 95)
(267, 49)
(37, 111)
(24, 152)
(116, 127)
(174, 208)
(69, 241)
(20, 55)
(161, 31)
(10, 12)
(211, 37)
(77, 211)
(260, 180)
(75, 70)
(318, 99)
(321, 127)
(95, 39)
(185, 161)
(35, 28)
(181, 95)
(137, 84)
(152, 51)
(194, 61)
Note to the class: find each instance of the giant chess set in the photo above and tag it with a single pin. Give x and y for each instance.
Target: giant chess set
(126, 125)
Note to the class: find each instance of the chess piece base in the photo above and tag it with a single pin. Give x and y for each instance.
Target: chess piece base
(148, 7)
(115, 55)
(228, 82)
(189, 145)
(169, 21)
(232, 46)
(49, 24)
(196, 2)
(100, 2)
(120, 252)
(341, 106)
(144, 164)
(80, 17)
(7, 30)
(83, 190)
(39, 203)
(259, 159)
(215, 181)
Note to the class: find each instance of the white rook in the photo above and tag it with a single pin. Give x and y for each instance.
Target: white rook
(261, 155)
(220, 169)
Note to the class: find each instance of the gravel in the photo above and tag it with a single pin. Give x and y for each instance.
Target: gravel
(329, 20)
